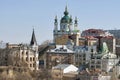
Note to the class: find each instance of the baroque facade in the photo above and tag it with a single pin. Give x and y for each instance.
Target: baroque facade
(67, 29)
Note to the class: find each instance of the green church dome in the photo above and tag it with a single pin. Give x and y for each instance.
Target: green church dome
(65, 19)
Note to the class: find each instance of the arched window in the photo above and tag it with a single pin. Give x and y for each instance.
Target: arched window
(26, 58)
(22, 52)
(33, 58)
(26, 53)
(30, 58)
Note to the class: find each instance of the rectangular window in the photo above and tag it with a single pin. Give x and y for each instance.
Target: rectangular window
(30, 65)
(97, 66)
(92, 66)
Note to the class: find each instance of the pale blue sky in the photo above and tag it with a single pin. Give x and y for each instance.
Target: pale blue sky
(18, 16)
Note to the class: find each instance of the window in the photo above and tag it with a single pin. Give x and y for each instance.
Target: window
(26, 58)
(26, 53)
(33, 65)
(22, 53)
(91, 50)
(92, 66)
(79, 55)
(22, 58)
(98, 57)
(84, 59)
(33, 59)
(84, 55)
(98, 62)
(30, 58)
(92, 62)
(30, 65)
(97, 66)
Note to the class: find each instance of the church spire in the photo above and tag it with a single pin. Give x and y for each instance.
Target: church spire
(33, 39)
(56, 24)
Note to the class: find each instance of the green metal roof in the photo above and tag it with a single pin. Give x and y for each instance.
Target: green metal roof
(65, 19)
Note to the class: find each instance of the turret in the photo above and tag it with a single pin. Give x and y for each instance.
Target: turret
(70, 25)
(76, 24)
(56, 24)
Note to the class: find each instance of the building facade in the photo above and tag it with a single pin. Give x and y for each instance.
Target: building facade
(60, 55)
(27, 53)
(83, 54)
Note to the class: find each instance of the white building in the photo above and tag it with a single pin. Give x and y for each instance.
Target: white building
(104, 62)
(66, 68)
